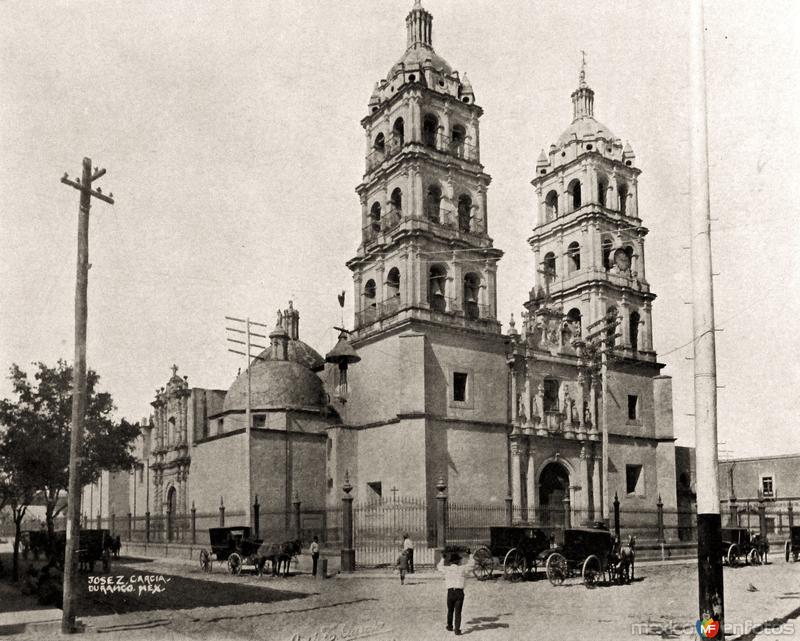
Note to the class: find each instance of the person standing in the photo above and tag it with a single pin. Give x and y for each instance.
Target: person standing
(455, 573)
(402, 564)
(314, 549)
(408, 548)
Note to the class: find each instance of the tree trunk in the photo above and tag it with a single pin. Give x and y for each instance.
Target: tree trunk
(19, 514)
(50, 517)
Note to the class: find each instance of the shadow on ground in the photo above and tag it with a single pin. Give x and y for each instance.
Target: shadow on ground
(178, 593)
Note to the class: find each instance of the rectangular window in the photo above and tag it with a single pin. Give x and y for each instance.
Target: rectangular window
(633, 407)
(259, 420)
(767, 487)
(460, 387)
(376, 489)
(634, 482)
(550, 402)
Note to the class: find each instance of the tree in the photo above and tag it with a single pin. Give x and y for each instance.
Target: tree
(38, 427)
(17, 485)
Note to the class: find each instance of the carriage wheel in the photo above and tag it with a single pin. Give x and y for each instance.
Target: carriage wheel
(205, 561)
(733, 555)
(235, 563)
(514, 565)
(556, 568)
(753, 558)
(484, 563)
(591, 571)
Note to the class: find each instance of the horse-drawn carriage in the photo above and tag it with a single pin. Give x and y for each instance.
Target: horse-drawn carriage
(591, 554)
(738, 546)
(517, 548)
(241, 550)
(792, 546)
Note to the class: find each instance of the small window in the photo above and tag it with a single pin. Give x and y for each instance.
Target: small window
(767, 487)
(259, 420)
(376, 489)
(460, 387)
(633, 407)
(634, 483)
(221, 426)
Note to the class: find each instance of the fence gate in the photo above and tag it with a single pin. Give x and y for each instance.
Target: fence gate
(379, 526)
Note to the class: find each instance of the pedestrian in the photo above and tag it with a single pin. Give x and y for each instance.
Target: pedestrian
(402, 564)
(408, 547)
(455, 571)
(314, 550)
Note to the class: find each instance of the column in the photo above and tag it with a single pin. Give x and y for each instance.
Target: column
(414, 130)
(531, 483)
(516, 473)
(484, 209)
(404, 266)
(625, 324)
(640, 264)
(585, 504)
(540, 207)
(381, 284)
(537, 265)
(646, 332)
(593, 385)
(581, 402)
(514, 392)
(597, 495)
(418, 209)
(633, 199)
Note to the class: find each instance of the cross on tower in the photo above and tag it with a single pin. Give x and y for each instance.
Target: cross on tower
(174, 370)
(394, 492)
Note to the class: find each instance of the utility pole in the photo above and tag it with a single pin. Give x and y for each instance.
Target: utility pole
(709, 563)
(244, 329)
(83, 185)
(595, 349)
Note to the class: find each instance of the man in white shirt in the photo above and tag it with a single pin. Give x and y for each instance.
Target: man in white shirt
(408, 548)
(455, 571)
(314, 549)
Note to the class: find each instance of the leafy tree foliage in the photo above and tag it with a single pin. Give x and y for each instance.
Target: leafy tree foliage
(36, 428)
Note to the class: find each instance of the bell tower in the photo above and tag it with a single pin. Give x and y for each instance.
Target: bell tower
(588, 241)
(425, 251)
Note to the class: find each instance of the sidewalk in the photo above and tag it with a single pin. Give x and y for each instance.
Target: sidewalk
(18, 611)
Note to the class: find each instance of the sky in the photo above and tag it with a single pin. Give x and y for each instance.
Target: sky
(231, 137)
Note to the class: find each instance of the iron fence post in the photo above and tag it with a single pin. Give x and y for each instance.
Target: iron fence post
(567, 515)
(762, 518)
(660, 519)
(147, 526)
(296, 516)
(99, 521)
(441, 519)
(256, 517)
(616, 515)
(348, 554)
(194, 524)
(113, 523)
(790, 515)
(221, 513)
(130, 526)
(734, 509)
(509, 511)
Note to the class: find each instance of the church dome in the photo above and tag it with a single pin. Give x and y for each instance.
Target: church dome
(585, 128)
(276, 383)
(283, 375)
(416, 55)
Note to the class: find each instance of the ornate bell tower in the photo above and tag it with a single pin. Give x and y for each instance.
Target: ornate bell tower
(589, 240)
(425, 250)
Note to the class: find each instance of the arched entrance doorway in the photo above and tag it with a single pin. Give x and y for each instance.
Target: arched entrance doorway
(553, 489)
(171, 500)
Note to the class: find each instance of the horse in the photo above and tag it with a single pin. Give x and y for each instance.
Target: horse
(279, 554)
(627, 556)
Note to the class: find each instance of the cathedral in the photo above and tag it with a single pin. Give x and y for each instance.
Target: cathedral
(564, 411)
